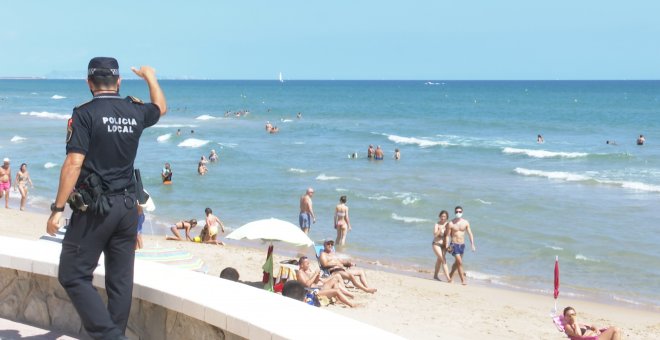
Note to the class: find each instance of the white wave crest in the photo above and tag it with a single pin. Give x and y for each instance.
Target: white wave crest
(286, 120)
(554, 247)
(405, 219)
(323, 177)
(57, 96)
(584, 258)
(17, 139)
(229, 145)
(573, 177)
(637, 186)
(164, 138)
(543, 153)
(482, 276)
(45, 114)
(205, 117)
(341, 190)
(424, 143)
(409, 200)
(483, 202)
(49, 165)
(566, 176)
(299, 143)
(169, 126)
(193, 143)
(299, 171)
(379, 198)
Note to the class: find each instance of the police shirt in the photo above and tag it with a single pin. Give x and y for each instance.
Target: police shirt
(107, 131)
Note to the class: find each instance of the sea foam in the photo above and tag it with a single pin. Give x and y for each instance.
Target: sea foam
(560, 175)
(57, 96)
(45, 114)
(379, 198)
(584, 258)
(423, 143)
(205, 117)
(405, 219)
(193, 143)
(323, 177)
(169, 126)
(49, 165)
(543, 153)
(299, 171)
(164, 138)
(17, 139)
(573, 177)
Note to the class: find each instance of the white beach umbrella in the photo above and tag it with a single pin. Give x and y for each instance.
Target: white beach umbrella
(272, 229)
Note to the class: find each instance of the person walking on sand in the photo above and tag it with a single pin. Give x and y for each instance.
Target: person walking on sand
(439, 244)
(5, 181)
(306, 216)
(342, 222)
(101, 145)
(456, 229)
(22, 180)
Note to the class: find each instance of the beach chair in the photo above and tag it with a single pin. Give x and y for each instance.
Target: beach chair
(558, 320)
(318, 249)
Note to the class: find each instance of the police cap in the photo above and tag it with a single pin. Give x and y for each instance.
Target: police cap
(103, 66)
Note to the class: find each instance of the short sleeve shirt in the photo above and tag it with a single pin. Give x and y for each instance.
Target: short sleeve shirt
(107, 131)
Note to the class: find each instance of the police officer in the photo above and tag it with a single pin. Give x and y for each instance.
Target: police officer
(102, 141)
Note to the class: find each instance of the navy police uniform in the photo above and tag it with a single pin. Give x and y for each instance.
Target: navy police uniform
(106, 130)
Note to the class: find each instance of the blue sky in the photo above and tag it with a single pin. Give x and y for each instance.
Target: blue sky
(426, 40)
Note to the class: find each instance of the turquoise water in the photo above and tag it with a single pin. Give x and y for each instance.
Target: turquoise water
(462, 143)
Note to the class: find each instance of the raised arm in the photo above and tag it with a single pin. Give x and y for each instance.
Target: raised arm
(155, 92)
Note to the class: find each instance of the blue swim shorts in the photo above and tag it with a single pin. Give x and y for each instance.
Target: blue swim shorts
(305, 220)
(140, 222)
(457, 248)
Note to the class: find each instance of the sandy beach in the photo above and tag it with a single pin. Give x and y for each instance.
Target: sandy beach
(415, 308)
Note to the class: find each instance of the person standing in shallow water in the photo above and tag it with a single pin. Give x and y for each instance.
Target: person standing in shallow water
(306, 216)
(456, 229)
(439, 244)
(22, 180)
(342, 222)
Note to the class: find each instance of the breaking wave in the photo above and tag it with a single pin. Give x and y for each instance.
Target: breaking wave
(423, 143)
(45, 114)
(405, 219)
(323, 177)
(573, 177)
(164, 138)
(57, 96)
(543, 153)
(193, 143)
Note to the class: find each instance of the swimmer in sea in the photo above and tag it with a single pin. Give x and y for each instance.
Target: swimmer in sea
(166, 174)
(641, 140)
(539, 139)
(201, 168)
(342, 222)
(378, 154)
(370, 152)
(213, 157)
(397, 154)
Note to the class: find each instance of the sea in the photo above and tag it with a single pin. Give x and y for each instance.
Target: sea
(593, 205)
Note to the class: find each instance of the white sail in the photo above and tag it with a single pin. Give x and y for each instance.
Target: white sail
(281, 79)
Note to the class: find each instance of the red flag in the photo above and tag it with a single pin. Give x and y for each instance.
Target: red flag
(556, 277)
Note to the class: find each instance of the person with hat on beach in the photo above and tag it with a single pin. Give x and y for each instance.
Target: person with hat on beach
(101, 145)
(5, 181)
(343, 267)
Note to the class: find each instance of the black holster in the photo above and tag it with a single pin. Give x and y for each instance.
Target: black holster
(90, 196)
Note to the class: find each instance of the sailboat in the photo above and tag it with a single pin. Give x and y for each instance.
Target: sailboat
(281, 79)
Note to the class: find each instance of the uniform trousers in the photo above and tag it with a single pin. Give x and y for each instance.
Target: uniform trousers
(86, 237)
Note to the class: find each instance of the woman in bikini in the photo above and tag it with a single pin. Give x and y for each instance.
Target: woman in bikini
(22, 180)
(342, 222)
(575, 330)
(187, 225)
(439, 245)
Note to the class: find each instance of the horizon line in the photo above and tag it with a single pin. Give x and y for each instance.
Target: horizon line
(310, 79)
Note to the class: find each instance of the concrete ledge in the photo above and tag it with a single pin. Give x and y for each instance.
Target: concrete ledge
(169, 303)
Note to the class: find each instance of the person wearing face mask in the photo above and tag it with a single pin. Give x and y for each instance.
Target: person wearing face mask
(456, 230)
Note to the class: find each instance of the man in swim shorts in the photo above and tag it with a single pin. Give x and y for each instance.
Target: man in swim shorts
(5, 181)
(306, 216)
(456, 229)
